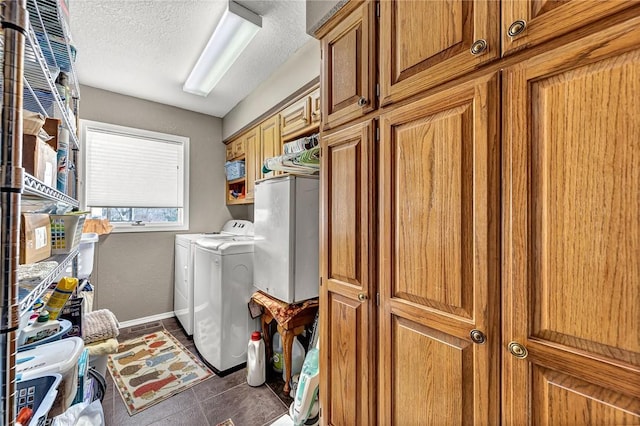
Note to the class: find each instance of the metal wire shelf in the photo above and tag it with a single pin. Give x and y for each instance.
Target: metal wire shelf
(63, 261)
(34, 187)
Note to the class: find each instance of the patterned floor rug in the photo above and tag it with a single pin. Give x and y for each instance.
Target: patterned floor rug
(152, 368)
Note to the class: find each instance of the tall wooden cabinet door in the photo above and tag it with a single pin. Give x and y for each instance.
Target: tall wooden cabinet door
(348, 68)
(571, 346)
(270, 142)
(425, 43)
(347, 296)
(253, 162)
(526, 23)
(439, 259)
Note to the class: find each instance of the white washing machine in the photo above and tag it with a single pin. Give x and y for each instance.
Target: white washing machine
(223, 285)
(183, 275)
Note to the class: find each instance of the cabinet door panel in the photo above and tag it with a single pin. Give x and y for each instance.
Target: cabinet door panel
(439, 279)
(270, 142)
(253, 162)
(348, 277)
(348, 67)
(547, 19)
(296, 117)
(572, 234)
(425, 43)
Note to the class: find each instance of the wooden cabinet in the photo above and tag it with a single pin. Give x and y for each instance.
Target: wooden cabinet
(253, 161)
(349, 68)
(439, 250)
(531, 22)
(572, 233)
(425, 43)
(236, 189)
(270, 141)
(301, 117)
(348, 276)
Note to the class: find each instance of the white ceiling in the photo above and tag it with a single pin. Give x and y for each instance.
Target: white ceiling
(146, 48)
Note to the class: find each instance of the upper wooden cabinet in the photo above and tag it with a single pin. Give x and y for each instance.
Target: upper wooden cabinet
(349, 67)
(531, 22)
(301, 117)
(270, 142)
(253, 161)
(572, 233)
(425, 43)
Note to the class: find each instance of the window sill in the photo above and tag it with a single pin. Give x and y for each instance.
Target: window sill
(125, 229)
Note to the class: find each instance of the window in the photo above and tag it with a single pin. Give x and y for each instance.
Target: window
(136, 178)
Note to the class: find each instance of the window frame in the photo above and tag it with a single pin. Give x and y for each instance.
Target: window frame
(87, 126)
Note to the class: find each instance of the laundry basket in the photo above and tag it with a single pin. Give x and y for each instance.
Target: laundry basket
(38, 394)
(66, 232)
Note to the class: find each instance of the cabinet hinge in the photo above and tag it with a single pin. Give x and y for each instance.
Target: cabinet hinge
(320, 281)
(378, 10)
(377, 90)
(377, 299)
(377, 134)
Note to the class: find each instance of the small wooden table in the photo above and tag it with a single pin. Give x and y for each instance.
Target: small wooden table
(291, 319)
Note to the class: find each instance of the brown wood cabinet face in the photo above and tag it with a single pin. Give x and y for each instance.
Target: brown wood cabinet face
(426, 43)
(296, 117)
(316, 109)
(346, 298)
(229, 151)
(439, 258)
(571, 233)
(547, 19)
(348, 68)
(253, 162)
(270, 142)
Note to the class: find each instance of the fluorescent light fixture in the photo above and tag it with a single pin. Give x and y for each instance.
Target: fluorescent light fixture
(236, 29)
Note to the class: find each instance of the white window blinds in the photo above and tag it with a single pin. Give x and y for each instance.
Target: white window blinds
(137, 169)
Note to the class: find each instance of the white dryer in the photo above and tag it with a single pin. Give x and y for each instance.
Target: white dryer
(223, 285)
(183, 280)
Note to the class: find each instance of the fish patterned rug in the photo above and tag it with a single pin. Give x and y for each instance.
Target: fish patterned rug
(152, 368)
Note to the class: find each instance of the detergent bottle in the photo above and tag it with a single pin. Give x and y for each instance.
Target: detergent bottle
(297, 359)
(256, 360)
(278, 357)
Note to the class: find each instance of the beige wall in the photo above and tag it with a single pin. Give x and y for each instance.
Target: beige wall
(133, 272)
(301, 68)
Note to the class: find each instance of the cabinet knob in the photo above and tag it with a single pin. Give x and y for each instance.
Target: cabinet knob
(516, 28)
(362, 101)
(518, 350)
(478, 47)
(362, 297)
(478, 336)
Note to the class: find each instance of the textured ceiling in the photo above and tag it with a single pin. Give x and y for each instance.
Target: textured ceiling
(146, 48)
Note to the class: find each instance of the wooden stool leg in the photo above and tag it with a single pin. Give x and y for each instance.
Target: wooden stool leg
(266, 319)
(287, 345)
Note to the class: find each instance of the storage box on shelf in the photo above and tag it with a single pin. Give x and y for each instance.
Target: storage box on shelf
(66, 232)
(35, 237)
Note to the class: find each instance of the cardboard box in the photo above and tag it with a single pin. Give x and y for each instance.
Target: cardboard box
(52, 127)
(32, 122)
(40, 160)
(35, 237)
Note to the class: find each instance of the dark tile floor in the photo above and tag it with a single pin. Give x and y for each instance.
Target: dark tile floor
(207, 403)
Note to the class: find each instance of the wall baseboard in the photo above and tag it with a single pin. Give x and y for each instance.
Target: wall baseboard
(144, 320)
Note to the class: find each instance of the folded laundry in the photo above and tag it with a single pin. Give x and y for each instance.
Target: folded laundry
(100, 325)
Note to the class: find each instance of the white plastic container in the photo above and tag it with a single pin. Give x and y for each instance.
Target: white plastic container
(56, 357)
(297, 359)
(256, 374)
(41, 329)
(85, 257)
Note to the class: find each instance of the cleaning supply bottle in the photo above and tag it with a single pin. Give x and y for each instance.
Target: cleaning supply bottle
(255, 360)
(41, 329)
(278, 358)
(60, 295)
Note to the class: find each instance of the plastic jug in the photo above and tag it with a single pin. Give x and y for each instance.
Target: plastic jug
(255, 360)
(297, 359)
(278, 357)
